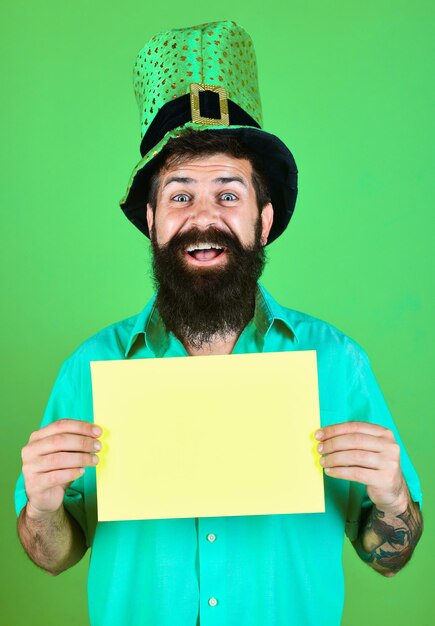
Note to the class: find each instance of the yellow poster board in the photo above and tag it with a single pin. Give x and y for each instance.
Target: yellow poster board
(208, 436)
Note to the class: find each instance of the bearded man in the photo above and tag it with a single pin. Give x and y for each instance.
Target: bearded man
(211, 200)
(208, 239)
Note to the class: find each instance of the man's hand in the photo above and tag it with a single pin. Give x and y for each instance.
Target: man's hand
(367, 453)
(55, 456)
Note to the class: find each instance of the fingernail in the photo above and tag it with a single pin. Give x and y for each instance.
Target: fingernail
(319, 434)
(97, 445)
(96, 430)
(95, 459)
(320, 447)
(322, 461)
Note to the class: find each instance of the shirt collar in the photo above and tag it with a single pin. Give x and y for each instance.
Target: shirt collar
(141, 324)
(268, 311)
(149, 323)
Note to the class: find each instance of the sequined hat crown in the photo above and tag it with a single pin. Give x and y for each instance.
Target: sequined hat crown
(205, 77)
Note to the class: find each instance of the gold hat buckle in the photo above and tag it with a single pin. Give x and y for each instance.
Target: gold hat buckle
(224, 119)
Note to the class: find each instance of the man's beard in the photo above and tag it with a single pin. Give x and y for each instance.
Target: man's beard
(204, 304)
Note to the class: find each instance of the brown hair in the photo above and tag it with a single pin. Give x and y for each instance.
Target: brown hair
(191, 143)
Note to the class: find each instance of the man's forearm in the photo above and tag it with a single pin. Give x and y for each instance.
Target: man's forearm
(54, 541)
(387, 539)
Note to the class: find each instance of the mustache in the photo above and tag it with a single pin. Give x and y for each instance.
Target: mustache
(199, 306)
(196, 236)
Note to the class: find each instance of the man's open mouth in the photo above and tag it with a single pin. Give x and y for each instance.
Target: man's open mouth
(205, 251)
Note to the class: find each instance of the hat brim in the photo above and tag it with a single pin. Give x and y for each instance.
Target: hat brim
(273, 155)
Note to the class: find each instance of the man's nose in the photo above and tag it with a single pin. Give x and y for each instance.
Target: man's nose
(204, 213)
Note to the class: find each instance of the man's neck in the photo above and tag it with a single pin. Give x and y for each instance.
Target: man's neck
(218, 346)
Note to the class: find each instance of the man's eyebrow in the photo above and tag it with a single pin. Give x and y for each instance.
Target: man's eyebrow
(220, 179)
(230, 179)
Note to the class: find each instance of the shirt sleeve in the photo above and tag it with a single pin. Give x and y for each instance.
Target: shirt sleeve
(367, 404)
(64, 402)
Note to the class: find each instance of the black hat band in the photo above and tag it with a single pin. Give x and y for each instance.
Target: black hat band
(178, 112)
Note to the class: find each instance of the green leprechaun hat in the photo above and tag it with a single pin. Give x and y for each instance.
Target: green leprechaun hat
(205, 77)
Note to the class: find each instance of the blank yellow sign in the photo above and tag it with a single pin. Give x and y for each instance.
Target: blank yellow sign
(208, 436)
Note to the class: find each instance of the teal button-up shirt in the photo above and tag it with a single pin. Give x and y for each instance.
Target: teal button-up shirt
(260, 570)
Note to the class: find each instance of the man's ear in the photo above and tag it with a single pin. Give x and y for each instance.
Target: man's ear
(266, 222)
(150, 217)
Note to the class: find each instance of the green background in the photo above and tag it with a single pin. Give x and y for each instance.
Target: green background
(347, 85)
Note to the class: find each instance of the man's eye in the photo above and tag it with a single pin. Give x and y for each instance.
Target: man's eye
(180, 195)
(229, 194)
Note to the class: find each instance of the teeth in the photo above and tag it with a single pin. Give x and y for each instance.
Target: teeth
(203, 246)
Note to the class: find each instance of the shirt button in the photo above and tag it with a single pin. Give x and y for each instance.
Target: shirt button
(211, 537)
(212, 601)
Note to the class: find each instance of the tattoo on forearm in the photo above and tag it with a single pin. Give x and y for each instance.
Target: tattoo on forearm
(388, 543)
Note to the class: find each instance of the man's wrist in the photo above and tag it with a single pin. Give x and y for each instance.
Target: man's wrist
(35, 515)
(398, 504)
